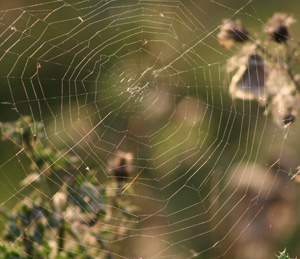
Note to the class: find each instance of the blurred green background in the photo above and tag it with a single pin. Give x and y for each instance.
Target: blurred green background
(197, 145)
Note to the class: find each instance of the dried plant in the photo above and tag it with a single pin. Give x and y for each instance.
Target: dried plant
(261, 74)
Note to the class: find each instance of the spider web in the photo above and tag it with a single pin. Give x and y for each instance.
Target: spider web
(148, 78)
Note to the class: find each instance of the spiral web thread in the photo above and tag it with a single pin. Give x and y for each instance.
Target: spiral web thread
(145, 77)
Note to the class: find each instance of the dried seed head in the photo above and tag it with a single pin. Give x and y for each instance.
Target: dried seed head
(249, 81)
(231, 32)
(281, 34)
(288, 119)
(279, 27)
(282, 107)
(120, 165)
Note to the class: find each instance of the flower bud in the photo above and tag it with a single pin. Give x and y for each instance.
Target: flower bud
(120, 165)
(60, 201)
(279, 27)
(231, 32)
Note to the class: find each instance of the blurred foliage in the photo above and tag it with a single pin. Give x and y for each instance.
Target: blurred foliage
(73, 222)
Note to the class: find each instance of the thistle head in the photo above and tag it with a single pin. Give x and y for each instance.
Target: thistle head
(232, 32)
(278, 27)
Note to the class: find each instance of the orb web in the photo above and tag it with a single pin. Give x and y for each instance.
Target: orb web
(147, 80)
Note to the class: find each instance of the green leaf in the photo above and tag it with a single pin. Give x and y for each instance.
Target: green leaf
(39, 232)
(14, 229)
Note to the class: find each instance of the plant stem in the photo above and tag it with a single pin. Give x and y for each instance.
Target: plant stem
(28, 245)
(61, 235)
